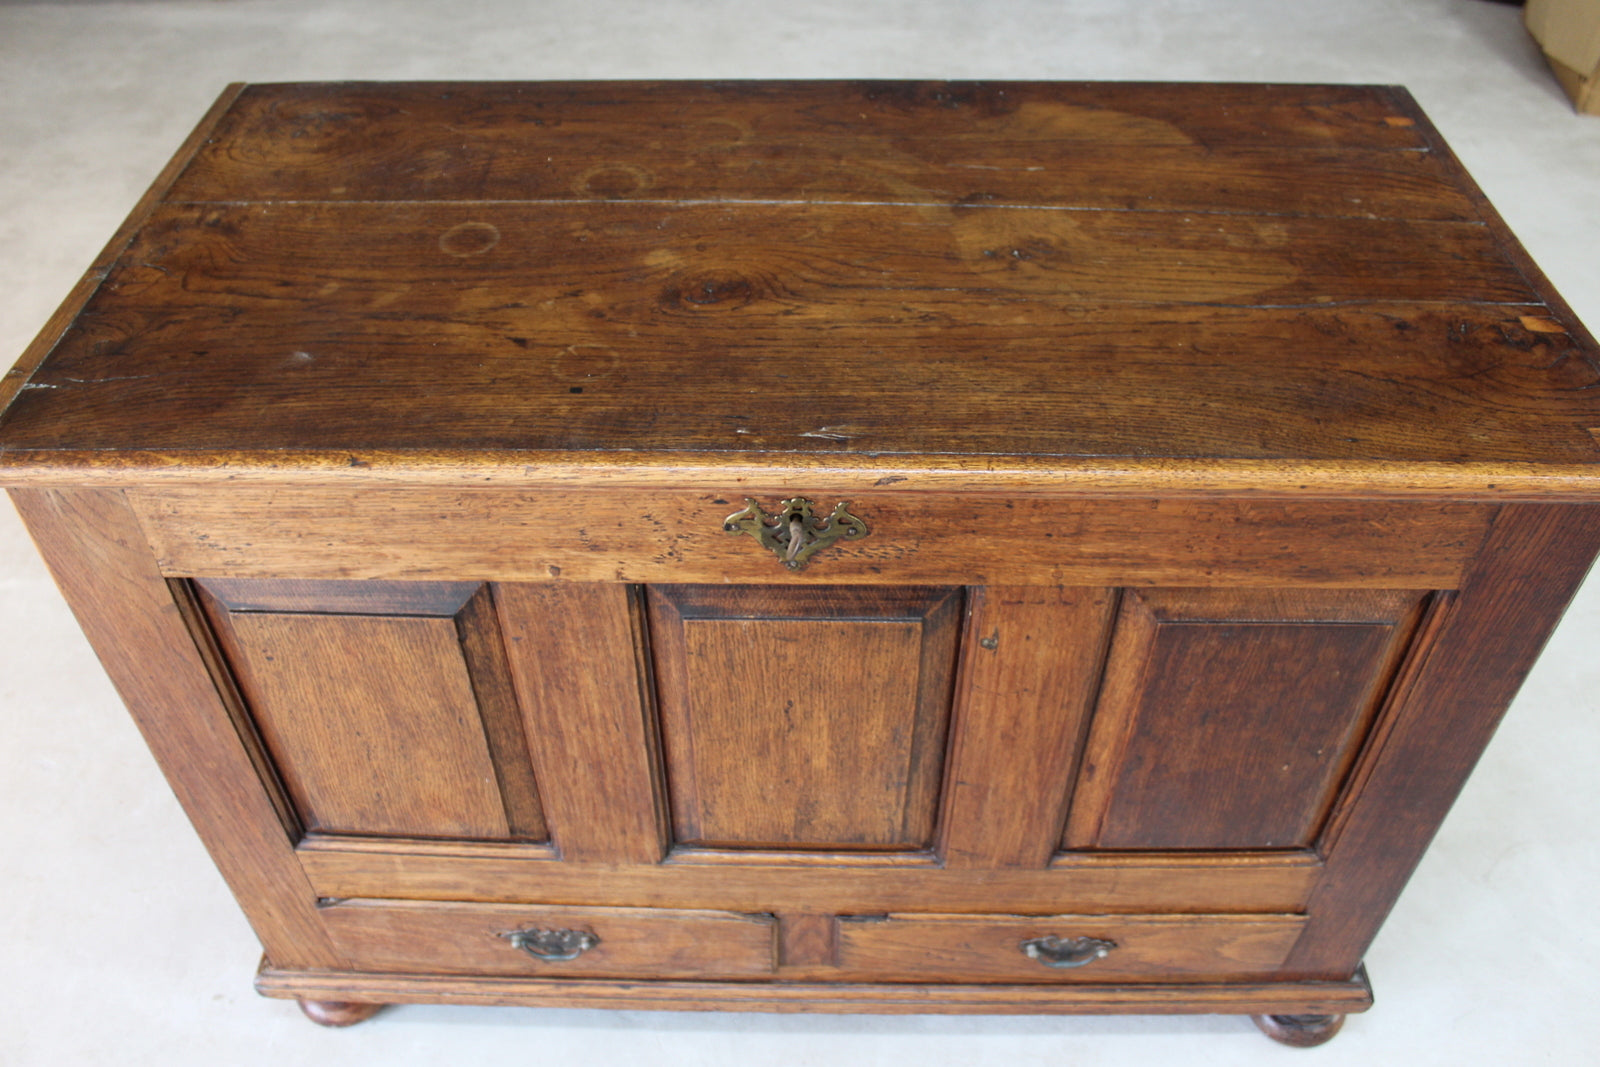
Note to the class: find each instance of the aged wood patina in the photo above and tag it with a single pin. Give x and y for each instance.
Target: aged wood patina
(814, 546)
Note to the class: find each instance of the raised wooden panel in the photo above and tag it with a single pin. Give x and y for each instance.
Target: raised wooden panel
(386, 708)
(804, 718)
(1228, 720)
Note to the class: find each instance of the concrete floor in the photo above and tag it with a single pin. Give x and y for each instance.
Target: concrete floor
(120, 945)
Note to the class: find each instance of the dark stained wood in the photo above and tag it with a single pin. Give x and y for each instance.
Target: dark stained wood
(1143, 998)
(804, 718)
(1031, 662)
(1219, 882)
(576, 653)
(1172, 279)
(99, 559)
(989, 947)
(884, 141)
(880, 314)
(1452, 696)
(1300, 1031)
(435, 938)
(1518, 256)
(916, 538)
(338, 1012)
(1229, 720)
(1130, 272)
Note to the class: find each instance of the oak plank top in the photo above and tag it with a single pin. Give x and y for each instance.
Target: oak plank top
(1091, 285)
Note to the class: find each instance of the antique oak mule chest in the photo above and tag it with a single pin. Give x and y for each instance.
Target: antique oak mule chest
(814, 546)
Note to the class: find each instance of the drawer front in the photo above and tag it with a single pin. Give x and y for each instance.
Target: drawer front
(450, 938)
(1064, 948)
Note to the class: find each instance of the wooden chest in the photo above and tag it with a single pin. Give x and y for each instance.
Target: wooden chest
(814, 546)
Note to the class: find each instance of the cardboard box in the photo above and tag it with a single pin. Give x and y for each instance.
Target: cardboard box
(1569, 33)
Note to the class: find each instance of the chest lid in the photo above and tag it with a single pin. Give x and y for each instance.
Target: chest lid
(1082, 285)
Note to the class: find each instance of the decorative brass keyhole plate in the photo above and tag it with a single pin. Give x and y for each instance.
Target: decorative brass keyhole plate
(795, 534)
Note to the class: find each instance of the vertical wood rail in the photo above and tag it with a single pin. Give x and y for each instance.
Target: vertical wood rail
(577, 660)
(1030, 665)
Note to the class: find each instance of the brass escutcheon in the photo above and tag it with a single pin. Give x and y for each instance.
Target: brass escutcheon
(795, 534)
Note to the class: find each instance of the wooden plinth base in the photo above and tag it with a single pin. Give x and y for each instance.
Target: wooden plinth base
(1154, 998)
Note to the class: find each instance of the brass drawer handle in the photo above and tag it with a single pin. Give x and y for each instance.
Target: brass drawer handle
(552, 946)
(1066, 952)
(795, 534)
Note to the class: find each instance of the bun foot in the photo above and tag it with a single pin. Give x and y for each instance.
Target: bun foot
(1299, 1031)
(338, 1012)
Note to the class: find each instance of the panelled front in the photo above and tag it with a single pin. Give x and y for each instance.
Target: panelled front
(823, 727)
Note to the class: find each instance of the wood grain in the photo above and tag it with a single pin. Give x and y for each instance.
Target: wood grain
(233, 311)
(917, 538)
(1351, 995)
(16, 379)
(807, 940)
(1031, 662)
(1229, 720)
(1218, 882)
(435, 938)
(371, 721)
(809, 719)
(890, 141)
(1212, 405)
(341, 598)
(576, 654)
(1149, 948)
(1450, 697)
(1152, 286)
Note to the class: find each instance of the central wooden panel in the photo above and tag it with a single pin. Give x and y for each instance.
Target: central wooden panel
(810, 719)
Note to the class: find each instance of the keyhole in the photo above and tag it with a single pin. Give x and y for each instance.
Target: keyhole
(797, 532)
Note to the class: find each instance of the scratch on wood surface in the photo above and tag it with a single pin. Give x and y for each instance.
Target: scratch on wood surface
(1541, 325)
(828, 433)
